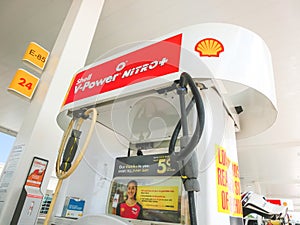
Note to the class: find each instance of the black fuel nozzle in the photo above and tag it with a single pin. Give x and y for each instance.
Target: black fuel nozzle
(70, 150)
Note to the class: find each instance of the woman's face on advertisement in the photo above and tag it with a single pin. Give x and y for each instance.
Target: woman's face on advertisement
(131, 190)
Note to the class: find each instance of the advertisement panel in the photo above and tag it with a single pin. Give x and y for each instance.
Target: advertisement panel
(149, 165)
(36, 173)
(159, 192)
(160, 197)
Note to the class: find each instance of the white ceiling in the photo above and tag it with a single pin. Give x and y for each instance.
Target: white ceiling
(269, 162)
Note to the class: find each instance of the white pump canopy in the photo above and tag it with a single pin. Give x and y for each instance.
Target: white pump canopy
(234, 61)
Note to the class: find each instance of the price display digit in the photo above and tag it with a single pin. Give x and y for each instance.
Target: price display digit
(163, 165)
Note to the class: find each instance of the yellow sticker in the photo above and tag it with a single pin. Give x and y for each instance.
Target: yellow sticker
(158, 197)
(228, 184)
(36, 55)
(24, 83)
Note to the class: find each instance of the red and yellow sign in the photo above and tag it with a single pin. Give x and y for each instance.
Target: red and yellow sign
(36, 173)
(36, 55)
(24, 83)
(209, 47)
(228, 184)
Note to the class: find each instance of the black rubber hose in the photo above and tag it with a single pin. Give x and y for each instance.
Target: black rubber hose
(186, 78)
(178, 127)
(192, 208)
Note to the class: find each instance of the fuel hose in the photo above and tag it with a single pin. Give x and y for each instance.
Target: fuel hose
(185, 79)
(64, 168)
(189, 171)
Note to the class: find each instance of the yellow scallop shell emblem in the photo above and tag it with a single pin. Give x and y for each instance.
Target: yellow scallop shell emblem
(209, 47)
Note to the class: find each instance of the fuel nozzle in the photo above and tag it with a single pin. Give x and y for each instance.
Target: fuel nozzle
(70, 150)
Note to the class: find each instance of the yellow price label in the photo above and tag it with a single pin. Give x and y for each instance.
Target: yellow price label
(36, 55)
(24, 83)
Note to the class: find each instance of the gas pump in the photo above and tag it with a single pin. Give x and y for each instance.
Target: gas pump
(168, 115)
(257, 204)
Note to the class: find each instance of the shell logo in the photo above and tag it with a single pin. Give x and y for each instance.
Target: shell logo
(209, 47)
(284, 204)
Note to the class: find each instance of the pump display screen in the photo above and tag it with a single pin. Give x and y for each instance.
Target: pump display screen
(148, 188)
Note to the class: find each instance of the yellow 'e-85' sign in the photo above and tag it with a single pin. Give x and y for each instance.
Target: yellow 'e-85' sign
(36, 55)
(24, 83)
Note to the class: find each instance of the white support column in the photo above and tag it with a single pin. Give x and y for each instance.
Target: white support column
(40, 135)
